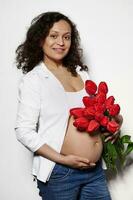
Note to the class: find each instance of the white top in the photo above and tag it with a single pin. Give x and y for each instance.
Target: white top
(74, 99)
(42, 115)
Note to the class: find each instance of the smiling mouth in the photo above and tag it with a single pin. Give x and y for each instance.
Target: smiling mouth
(60, 50)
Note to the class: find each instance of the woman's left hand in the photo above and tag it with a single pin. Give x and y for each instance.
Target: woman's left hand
(113, 137)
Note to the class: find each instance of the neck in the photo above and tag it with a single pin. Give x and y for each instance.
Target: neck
(52, 64)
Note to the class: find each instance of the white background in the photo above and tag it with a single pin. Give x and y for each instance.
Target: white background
(106, 32)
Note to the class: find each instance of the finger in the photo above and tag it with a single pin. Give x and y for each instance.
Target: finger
(112, 142)
(107, 134)
(84, 160)
(108, 138)
(114, 139)
(92, 164)
(83, 165)
(89, 164)
(117, 133)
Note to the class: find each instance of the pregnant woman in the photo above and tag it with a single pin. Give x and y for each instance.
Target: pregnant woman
(66, 162)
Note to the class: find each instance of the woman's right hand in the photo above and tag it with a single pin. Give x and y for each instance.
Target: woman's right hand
(70, 160)
(77, 162)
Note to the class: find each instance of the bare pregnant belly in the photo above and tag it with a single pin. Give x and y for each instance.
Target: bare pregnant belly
(81, 143)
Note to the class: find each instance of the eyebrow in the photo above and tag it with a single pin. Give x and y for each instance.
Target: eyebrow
(58, 32)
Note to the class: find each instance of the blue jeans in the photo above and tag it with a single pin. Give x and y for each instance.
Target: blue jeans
(67, 183)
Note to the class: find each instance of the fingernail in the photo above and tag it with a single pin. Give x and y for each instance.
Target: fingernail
(92, 164)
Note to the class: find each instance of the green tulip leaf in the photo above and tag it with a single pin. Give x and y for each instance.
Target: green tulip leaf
(111, 150)
(129, 149)
(126, 139)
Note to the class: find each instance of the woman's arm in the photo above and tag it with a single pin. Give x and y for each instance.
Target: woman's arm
(70, 160)
(28, 112)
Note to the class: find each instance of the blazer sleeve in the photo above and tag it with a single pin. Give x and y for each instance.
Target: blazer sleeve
(28, 112)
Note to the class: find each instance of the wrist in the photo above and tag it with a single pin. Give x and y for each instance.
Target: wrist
(61, 159)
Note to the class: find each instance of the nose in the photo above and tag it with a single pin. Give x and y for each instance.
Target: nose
(60, 41)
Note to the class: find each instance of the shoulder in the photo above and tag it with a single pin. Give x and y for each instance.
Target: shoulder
(33, 74)
(84, 73)
(30, 79)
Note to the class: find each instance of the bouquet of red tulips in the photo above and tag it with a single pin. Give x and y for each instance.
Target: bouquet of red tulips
(100, 114)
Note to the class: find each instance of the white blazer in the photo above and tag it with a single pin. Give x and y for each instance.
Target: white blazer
(42, 115)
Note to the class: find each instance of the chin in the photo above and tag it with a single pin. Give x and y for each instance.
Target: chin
(58, 58)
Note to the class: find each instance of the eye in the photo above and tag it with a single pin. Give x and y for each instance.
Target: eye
(68, 37)
(53, 36)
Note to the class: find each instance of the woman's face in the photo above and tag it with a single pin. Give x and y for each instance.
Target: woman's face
(58, 41)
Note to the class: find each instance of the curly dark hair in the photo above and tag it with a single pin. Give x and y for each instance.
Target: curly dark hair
(30, 52)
